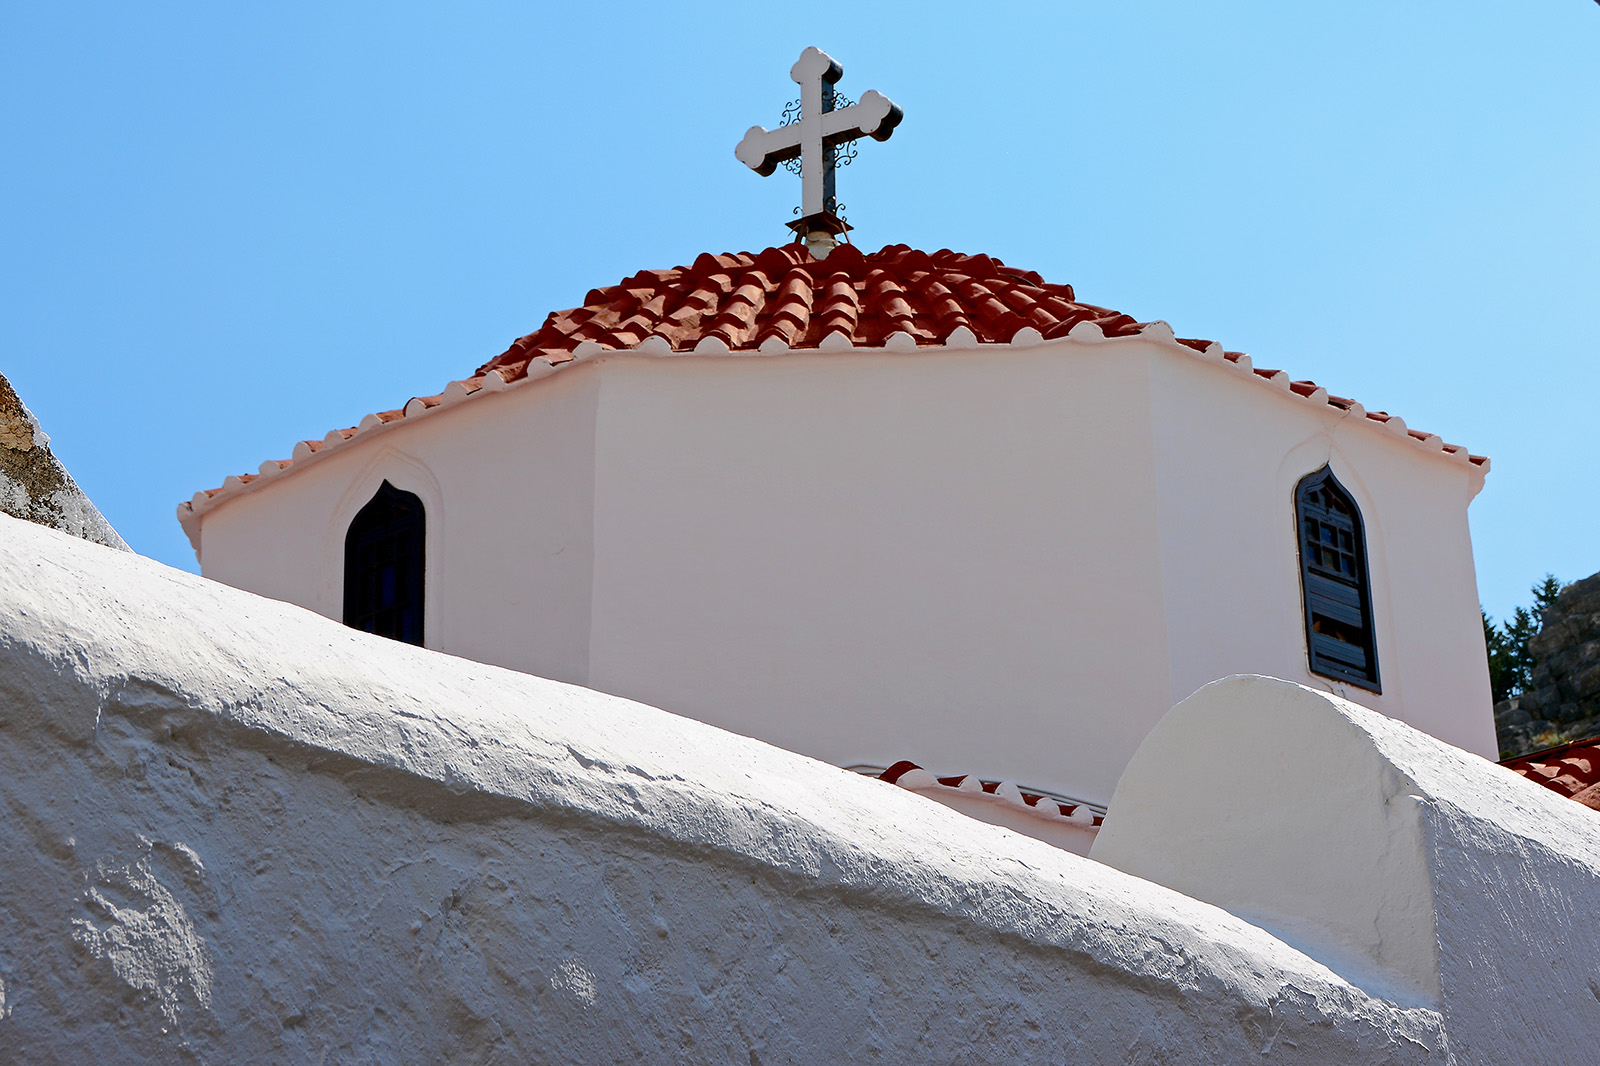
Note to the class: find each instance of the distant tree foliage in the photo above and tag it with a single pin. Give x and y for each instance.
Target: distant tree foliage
(1510, 662)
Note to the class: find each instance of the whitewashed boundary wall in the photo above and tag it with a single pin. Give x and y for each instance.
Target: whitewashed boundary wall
(1413, 868)
(236, 832)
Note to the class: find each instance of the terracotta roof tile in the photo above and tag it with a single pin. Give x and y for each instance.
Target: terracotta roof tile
(744, 299)
(909, 775)
(1571, 769)
(783, 298)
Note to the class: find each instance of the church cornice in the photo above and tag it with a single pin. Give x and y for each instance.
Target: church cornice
(783, 300)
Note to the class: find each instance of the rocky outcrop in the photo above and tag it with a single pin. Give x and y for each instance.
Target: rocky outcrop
(1563, 701)
(33, 483)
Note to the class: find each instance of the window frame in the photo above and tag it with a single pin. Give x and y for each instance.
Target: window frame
(365, 529)
(1360, 584)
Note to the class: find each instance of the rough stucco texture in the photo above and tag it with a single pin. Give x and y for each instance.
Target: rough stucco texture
(33, 483)
(237, 832)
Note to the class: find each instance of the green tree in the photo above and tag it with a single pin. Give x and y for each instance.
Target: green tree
(1500, 668)
(1511, 661)
(1545, 593)
(1522, 628)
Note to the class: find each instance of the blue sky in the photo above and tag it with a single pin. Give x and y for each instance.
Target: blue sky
(229, 227)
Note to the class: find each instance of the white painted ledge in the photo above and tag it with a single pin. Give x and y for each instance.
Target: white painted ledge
(238, 831)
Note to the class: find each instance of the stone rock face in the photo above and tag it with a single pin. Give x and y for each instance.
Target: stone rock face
(1563, 701)
(33, 483)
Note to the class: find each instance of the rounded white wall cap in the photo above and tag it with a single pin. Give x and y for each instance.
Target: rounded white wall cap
(1322, 846)
(917, 779)
(961, 337)
(1159, 331)
(1010, 793)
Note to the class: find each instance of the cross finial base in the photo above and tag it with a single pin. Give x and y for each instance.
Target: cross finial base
(815, 138)
(820, 232)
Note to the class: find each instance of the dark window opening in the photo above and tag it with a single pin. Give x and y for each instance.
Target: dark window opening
(383, 566)
(1333, 581)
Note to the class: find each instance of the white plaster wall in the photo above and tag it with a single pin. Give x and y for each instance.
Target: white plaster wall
(238, 833)
(1230, 454)
(947, 558)
(1258, 795)
(1416, 870)
(1007, 562)
(508, 493)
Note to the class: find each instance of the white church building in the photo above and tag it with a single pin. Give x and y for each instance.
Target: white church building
(887, 507)
(892, 506)
(921, 515)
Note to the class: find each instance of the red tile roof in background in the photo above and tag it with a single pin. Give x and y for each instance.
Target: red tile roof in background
(784, 297)
(910, 776)
(1571, 769)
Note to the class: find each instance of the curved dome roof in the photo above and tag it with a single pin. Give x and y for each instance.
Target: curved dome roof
(742, 300)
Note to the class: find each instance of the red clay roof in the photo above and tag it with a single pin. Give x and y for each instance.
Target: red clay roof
(783, 299)
(743, 299)
(1572, 770)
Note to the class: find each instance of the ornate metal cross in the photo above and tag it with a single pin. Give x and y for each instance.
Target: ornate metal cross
(815, 138)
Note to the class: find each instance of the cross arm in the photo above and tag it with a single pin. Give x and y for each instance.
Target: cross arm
(874, 115)
(762, 149)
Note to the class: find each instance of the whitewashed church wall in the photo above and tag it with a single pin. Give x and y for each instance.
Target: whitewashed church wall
(1007, 563)
(951, 559)
(238, 833)
(1230, 455)
(508, 493)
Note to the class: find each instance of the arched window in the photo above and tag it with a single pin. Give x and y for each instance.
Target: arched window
(383, 566)
(1333, 582)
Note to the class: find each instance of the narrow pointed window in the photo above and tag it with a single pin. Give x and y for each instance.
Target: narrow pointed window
(1333, 582)
(384, 566)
